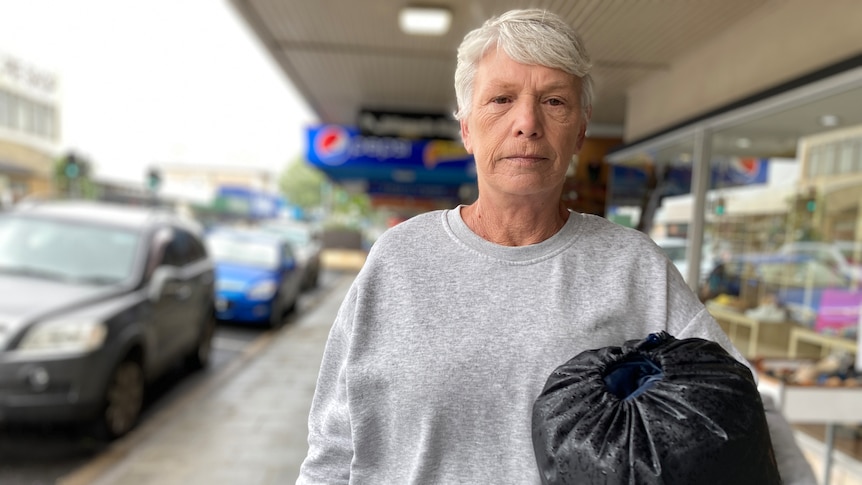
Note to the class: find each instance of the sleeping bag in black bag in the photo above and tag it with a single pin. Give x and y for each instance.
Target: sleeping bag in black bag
(655, 411)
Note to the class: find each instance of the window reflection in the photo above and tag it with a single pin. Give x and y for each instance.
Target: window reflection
(799, 265)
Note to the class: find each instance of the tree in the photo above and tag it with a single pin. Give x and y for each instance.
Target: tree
(308, 188)
(302, 184)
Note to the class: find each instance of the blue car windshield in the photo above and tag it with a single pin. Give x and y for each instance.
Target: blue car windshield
(67, 251)
(225, 249)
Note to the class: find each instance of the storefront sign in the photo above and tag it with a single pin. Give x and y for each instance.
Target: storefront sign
(19, 75)
(629, 184)
(408, 125)
(248, 202)
(838, 312)
(344, 154)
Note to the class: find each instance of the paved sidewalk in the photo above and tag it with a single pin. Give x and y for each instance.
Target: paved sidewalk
(247, 426)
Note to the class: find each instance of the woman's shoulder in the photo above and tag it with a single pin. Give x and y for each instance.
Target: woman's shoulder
(419, 224)
(408, 236)
(604, 229)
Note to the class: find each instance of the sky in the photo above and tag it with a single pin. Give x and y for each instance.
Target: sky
(159, 82)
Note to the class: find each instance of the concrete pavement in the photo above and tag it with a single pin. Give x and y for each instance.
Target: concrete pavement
(248, 425)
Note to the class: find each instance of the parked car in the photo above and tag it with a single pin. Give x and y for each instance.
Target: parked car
(257, 278)
(97, 301)
(307, 246)
(837, 255)
(814, 293)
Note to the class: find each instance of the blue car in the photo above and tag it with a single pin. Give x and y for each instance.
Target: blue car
(257, 277)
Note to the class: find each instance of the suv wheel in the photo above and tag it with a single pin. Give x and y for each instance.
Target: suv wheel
(199, 357)
(123, 400)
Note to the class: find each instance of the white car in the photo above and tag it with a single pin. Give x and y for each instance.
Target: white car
(838, 255)
(305, 238)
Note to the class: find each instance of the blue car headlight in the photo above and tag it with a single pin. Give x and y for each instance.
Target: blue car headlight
(262, 291)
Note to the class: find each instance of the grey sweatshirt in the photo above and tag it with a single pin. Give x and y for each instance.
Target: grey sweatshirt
(445, 340)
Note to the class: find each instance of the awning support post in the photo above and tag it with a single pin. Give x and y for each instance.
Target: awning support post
(700, 180)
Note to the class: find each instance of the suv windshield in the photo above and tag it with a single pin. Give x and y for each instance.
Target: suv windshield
(66, 251)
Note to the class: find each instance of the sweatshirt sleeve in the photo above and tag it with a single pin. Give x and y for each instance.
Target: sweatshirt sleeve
(330, 441)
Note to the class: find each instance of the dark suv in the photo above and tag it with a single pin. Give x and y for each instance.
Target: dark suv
(96, 301)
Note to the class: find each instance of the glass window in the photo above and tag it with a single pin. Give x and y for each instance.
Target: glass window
(815, 160)
(67, 251)
(182, 249)
(845, 157)
(828, 160)
(244, 251)
(4, 109)
(197, 251)
(25, 116)
(288, 253)
(12, 113)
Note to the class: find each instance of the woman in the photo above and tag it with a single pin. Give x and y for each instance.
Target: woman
(452, 327)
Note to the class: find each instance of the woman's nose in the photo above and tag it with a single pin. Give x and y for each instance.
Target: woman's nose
(527, 118)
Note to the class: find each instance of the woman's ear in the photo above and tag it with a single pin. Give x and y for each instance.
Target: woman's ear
(465, 136)
(582, 132)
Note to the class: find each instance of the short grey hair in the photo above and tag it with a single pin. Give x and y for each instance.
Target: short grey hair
(530, 36)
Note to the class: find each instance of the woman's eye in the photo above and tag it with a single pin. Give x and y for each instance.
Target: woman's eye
(555, 102)
(500, 100)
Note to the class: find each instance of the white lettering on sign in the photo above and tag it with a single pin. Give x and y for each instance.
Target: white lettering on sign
(380, 148)
(409, 126)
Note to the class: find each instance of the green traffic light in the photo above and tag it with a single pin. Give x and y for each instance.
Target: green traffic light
(154, 179)
(72, 170)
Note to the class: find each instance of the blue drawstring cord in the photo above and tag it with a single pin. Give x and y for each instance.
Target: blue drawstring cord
(636, 373)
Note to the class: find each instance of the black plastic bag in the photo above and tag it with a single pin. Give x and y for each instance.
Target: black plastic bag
(656, 411)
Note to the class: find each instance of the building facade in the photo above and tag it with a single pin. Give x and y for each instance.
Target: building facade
(29, 129)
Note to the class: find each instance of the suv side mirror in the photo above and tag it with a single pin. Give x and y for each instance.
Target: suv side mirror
(161, 276)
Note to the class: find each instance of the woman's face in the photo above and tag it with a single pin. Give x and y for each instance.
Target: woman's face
(524, 127)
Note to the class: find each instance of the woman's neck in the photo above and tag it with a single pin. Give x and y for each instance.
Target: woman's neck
(514, 226)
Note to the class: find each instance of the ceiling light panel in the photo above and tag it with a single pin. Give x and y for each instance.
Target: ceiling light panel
(424, 20)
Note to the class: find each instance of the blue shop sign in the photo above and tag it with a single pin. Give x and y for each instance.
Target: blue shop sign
(250, 202)
(629, 184)
(344, 154)
(435, 191)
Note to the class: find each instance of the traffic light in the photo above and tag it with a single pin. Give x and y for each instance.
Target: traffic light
(719, 206)
(154, 179)
(808, 201)
(71, 167)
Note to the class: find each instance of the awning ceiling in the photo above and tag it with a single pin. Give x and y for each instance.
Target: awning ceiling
(343, 56)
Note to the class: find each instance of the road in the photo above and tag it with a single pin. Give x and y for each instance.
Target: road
(41, 455)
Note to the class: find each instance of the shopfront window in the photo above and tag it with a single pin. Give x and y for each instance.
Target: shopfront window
(25, 115)
(792, 250)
